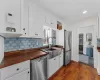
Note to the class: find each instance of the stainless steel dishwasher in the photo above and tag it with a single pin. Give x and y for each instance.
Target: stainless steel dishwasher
(39, 68)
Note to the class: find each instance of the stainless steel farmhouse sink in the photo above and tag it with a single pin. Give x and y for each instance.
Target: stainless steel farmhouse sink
(52, 52)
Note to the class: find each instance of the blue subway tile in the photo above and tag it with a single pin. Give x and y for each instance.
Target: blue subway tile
(12, 44)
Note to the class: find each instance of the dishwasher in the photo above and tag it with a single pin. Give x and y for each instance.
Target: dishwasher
(39, 68)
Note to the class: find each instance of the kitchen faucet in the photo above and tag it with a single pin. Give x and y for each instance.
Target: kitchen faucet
(49, 44)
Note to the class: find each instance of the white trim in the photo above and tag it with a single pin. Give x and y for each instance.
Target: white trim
(94, 42)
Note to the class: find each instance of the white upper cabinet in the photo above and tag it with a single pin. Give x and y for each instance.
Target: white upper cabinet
(98, 29)
(24, 18)
(36, 21)
(50, 21)
(10, 17)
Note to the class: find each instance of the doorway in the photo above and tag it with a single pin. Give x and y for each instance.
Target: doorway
(86, 42)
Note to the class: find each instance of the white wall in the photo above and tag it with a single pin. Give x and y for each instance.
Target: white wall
(86, 22)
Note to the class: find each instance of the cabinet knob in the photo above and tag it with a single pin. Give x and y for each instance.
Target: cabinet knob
(17, 69)
(36, 34)
(24, 29)
(28, 72)
(25, 33)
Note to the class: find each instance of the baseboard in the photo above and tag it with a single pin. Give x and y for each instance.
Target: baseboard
(73, 61)
(98, 71)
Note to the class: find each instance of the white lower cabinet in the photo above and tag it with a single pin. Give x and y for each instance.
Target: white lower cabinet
(57, 63)
(51, 67)
(20, 71)
(54, 64)
(61, 60)
(25, 75)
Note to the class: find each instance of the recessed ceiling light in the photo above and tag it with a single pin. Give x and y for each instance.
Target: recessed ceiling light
(84, 12)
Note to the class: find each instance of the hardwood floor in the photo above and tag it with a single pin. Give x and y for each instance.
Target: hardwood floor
(76, 71)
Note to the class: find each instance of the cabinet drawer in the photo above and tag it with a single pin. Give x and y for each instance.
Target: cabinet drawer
(61, 60)
(14, 69)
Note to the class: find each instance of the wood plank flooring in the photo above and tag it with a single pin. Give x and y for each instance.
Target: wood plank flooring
(76, 71)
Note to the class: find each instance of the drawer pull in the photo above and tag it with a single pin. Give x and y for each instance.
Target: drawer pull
(28, 72)
(24, 29)
(54, 59)
(17, 69)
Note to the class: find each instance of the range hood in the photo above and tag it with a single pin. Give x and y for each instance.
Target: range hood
(10, 34)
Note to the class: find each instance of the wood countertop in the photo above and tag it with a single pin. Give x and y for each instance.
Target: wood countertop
(15, 57)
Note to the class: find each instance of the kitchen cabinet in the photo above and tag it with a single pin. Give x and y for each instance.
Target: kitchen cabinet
(98, 28)
(57, 63)
(36, 21)
(53, 65)
(61, 60)
(10, 17)
(24, 18)
(50, 21)
(20, 71)
(25, 75)
(60, 37)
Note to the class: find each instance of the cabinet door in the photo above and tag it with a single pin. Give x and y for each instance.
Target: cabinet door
(24, 17)
(36, 21)
(61, 60)
(47, 19)
(51, 67)
(56, 62)
(40, 20)
(13, 7)
(51, 21)
(32, 22)
(54, 23)
(21, 76)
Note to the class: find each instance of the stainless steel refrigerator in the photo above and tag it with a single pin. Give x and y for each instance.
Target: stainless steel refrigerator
(67, 46)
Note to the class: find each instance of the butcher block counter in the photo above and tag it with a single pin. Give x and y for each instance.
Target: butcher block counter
(15, 57)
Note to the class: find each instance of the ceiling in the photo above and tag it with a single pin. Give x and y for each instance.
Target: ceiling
(71, 10)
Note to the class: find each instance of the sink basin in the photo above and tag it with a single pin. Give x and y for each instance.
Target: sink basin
(52, 52)
(51, 49)
(48, 49)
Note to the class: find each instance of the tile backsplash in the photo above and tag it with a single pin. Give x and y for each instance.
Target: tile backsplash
(12, 44)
